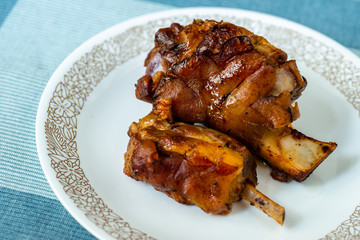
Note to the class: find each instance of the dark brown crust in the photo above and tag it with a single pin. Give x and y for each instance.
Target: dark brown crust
(144, 88)
(205, 62)
(155, 156)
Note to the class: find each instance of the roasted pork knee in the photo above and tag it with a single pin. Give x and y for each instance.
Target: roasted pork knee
(195, 165)
(236, 82)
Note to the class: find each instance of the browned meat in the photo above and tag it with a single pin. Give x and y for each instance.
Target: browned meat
(194, 165)
(234, 81)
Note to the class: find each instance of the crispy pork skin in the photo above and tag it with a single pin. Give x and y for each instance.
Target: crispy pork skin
(191, 164)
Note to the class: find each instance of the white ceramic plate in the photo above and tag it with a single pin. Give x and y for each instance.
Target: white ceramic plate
(89, 103)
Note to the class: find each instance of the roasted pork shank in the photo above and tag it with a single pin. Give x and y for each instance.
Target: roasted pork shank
(195, 165)
(236, 82)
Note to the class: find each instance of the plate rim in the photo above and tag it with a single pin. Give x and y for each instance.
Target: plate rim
(106, 34)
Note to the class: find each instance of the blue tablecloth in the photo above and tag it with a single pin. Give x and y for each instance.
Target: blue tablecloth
(35, 37)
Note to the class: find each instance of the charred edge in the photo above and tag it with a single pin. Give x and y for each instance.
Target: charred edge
(213, 27)
(172, 127)
(174, 47)
(297, 135)
(326, 149)
(296, 93)
(260, 201)
(291, 115)
(283, 217)
(228, 207)
(223, 97)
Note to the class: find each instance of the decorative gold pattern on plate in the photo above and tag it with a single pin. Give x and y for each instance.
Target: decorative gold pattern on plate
(349, 229)
(71, 93)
